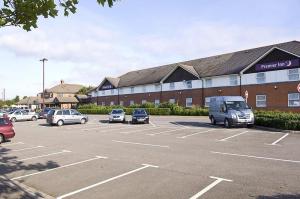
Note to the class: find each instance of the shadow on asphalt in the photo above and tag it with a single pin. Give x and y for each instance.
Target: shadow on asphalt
(280, 196)
(9, 164)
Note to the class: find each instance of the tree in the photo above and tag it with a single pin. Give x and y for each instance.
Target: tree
(16, 99)
(25, 13)
(84, 90)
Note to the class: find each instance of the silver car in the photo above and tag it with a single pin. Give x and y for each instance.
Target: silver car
(60, 117)
(22, 115)
(117, 115)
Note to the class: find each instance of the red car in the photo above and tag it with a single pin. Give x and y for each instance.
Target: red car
(6, 129)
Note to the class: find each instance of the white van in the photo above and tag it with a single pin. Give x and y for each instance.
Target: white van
(230, 110)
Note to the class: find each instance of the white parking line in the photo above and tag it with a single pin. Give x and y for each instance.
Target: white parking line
(152, 134)
(30, 148)
(144, 144)
(152, 124)
(106, 181)
(60, 167)
(275, 143)
(201, 132)
(139, 130)
(107, 128)
(256, 157)
(212, 185)
(225, 139)
(11, 144)
(41, 156)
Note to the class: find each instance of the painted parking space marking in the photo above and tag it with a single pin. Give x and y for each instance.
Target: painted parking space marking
(11, 144)
(168, 131)
(24, 149)
(109, 127)
(139, 130)
(60, 167)
(210, 186)
(154, 125)
(256, 157)
(144, 144)
(281, 138)
(42, 156)
(144, 166)
(201, 132)
(225, 139)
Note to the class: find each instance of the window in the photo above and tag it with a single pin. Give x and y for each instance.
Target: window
(132, 90)
(112, 103)
(293, 74)
(121, 91)
(189, 102)
(103, 103)
(74, 112)
(122, 103)
(144, 89)
(59, 113)
(112, 91)
(172, 86)
(233, 80)
(172, 101)
(261, 101)
(189, 84)
(156, 102)
(207, 101)
(3, 121)
(144, 101)
(260, 78)
(131, 102)
(66, 112)
(157, 87)
(208, 83)
(103, 92)
(294, 99)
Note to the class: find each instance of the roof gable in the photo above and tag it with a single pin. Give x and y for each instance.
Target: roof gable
(181, 73)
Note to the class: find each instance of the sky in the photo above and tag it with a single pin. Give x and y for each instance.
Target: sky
(98, 42)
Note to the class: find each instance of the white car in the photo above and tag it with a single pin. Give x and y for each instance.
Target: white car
(22, 115)
(117, 115)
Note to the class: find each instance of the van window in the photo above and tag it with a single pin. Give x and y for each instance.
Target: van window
(236, 105)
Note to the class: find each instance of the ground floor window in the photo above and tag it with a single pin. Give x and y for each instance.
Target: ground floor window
(103, 103)
(122, 103)
(112, 103)
(172, 101)
(294, 99)
(261, 101)
(144, 101)
(156, 102)
(131, 102)
(189, 102)
(207, 101)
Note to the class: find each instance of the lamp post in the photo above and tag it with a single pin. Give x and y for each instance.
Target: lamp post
(43, 60)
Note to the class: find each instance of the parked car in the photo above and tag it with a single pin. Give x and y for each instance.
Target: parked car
(43, 113)
(60, 117)
(117, 115)
(230, 110)
(2, 113)
(22, 115)
(140, 116)
(6, 129)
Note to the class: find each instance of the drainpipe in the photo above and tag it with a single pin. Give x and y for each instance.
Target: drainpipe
(160, 95)
(118, 96)
(240, 84)
(203, 100)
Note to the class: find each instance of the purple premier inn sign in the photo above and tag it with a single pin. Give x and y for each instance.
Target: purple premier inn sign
(279, 65)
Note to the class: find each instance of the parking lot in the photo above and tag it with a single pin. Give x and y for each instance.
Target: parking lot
(172, 157)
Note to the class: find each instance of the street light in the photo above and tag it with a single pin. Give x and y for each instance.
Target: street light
(43, 60)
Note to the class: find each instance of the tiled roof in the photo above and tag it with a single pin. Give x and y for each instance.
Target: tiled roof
(65, 88)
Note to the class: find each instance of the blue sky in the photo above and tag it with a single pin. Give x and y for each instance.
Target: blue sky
(134, 34)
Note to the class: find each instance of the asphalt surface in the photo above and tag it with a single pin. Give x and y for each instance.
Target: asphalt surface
(172, 157)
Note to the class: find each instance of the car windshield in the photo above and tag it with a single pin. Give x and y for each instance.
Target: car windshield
(236, 105)
(51, 112)
(139, 112)
(117, 111)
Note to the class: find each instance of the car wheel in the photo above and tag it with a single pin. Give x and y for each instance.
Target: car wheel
(13, 119)
(1, 138)
(212, 120)
(33, 118)
(60, 123)
(83, 121)
(227, 123)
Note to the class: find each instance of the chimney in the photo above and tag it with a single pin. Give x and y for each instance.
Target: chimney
(62, 81)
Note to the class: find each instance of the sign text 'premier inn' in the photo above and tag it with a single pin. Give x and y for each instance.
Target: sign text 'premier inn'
(279, 65)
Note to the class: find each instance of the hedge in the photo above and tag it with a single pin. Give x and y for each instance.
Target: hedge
(277, 119)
